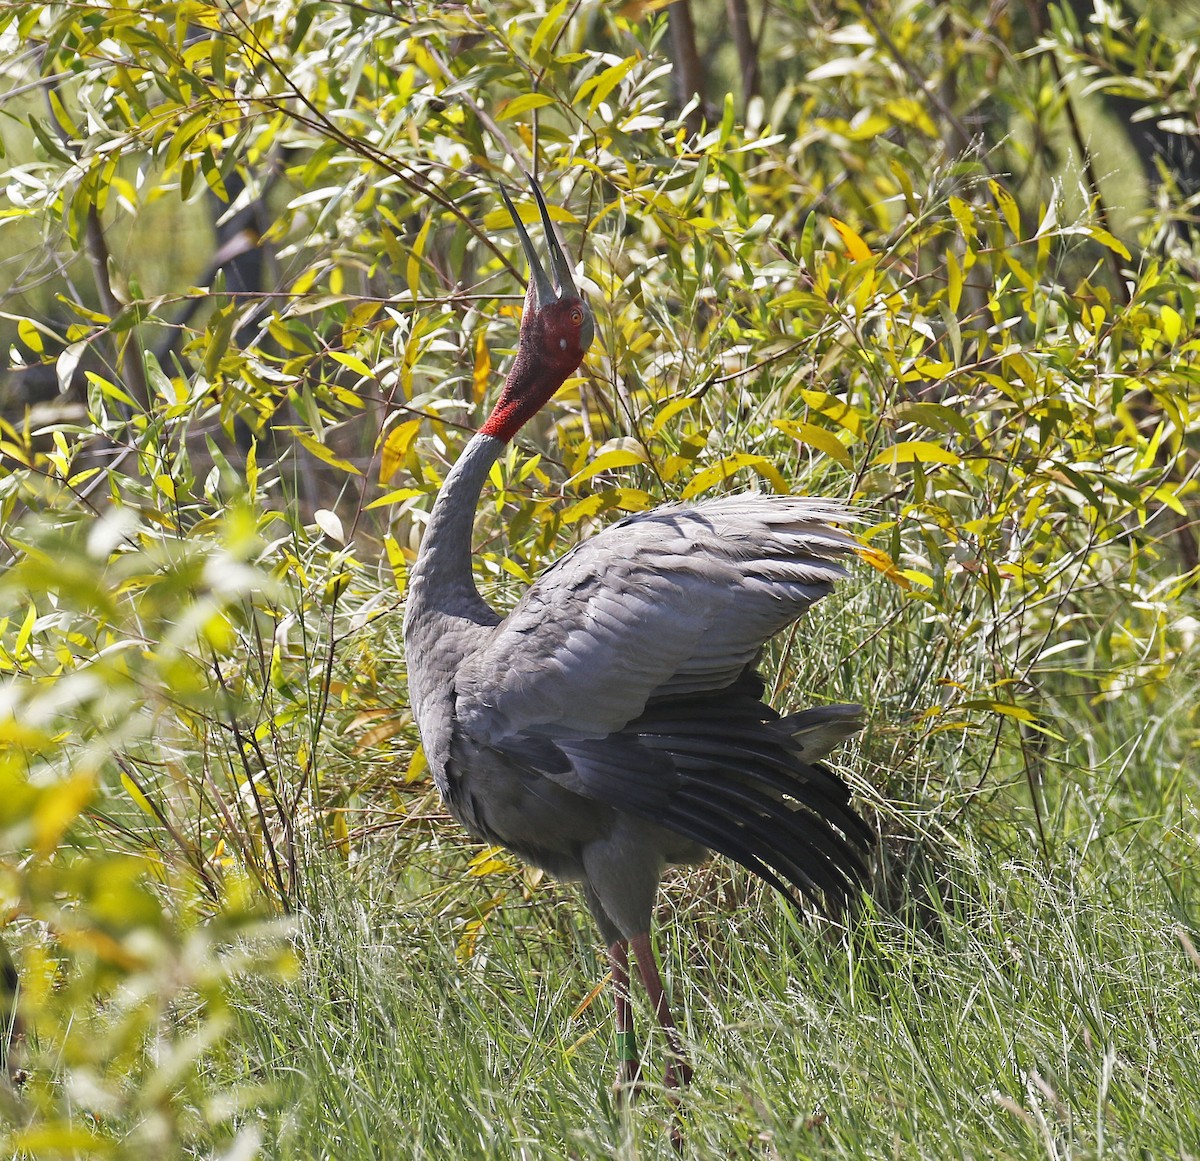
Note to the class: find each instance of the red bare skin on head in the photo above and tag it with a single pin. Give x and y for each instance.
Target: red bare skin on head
(552, 346)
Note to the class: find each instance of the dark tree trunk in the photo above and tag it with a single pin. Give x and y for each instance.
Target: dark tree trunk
(689, 71)
(747, 49)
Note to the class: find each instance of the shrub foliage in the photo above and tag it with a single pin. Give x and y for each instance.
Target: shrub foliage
(259, 287)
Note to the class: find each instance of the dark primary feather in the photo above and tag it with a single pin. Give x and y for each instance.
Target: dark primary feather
(722, 769)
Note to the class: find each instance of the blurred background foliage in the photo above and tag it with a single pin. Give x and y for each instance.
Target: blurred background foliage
(256, 288)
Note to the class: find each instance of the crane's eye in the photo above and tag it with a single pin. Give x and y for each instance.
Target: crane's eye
(576, 316)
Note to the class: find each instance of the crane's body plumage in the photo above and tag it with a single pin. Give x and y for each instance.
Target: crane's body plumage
(613, 722)
(592, 708)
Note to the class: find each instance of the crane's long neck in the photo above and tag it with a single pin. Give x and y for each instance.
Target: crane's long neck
(442, 574)
(441, 578)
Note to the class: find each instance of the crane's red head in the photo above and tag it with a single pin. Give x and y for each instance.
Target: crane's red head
(556, 332)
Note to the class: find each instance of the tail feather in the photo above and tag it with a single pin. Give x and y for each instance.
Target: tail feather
(820, 730)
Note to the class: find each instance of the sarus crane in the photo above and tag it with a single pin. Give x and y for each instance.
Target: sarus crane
(613, 723)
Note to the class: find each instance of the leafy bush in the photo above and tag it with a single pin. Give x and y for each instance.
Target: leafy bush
(835, 286)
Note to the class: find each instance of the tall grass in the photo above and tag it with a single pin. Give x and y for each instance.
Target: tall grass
(1014, 993)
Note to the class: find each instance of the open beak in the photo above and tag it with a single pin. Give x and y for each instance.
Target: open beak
(542, 290)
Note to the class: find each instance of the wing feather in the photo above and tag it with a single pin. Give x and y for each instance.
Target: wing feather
(749, 791)
(676, 601)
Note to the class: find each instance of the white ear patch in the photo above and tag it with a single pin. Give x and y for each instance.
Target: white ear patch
(562, 344)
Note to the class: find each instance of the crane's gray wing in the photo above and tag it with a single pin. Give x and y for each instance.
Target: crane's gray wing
(679, 600)
(626, 675)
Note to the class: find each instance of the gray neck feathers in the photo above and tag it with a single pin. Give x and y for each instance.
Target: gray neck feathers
(442, 577)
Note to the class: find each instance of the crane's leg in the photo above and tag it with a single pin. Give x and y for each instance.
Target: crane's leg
(679, 1072)
(629, 1062)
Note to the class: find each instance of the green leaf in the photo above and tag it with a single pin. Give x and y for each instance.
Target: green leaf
(936, 416)
(413, 270)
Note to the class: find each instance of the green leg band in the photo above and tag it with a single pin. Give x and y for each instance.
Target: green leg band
(627, 1048)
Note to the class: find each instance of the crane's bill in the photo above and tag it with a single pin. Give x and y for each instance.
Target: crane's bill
(542, 289)
(558, 260)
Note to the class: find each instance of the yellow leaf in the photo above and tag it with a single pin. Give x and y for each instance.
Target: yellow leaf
(393, 498)
(954, 280)
(318, 449)
(465, 948)
(416, 765)
(395, 448)
(1002, 707)
(856, 248)
(964, 216)
(916, 451)
(1008, 206)
(131, 788)
(483, 366)
(623, 457)
(396, 561)
(341, 834)
(30, 336)
(918, 578)
(590, 999)
(1171, 322)
(544, 29)
(20, 735)
(1106, 239)
(380, 733)
(25, 631)
(353, 362)
(824, 441)
(584, 509)
(602, 85)
(490, 862)
(529, 214)
(621, 499)
(834, 408)
(59, 806)
(57, 1139)
(668, 412)
(881, 562)
(526, 101)
(1167, 496)
(724, 469)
